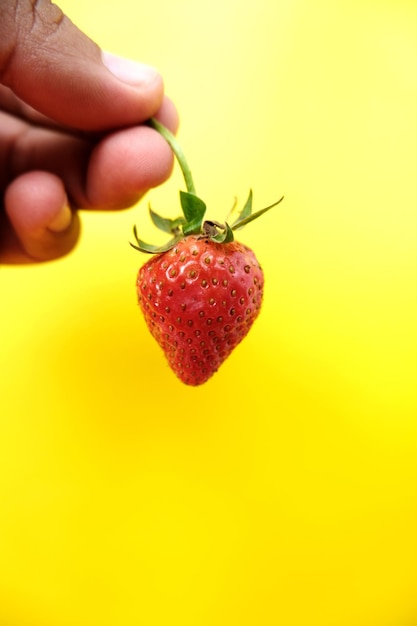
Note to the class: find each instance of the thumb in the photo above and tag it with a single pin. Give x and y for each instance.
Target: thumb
(51, 65)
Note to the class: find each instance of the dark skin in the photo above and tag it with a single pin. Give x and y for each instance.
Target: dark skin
(72, 130)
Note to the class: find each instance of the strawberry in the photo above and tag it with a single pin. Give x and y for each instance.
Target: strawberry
(199, 300)
(202, 291)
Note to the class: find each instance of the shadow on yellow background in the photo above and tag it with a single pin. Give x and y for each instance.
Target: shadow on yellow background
(284, 490)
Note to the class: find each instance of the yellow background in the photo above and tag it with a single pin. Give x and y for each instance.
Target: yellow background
(282, 492)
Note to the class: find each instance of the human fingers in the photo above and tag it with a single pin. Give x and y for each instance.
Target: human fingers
(40, 167)
(110, 172)
(56, 69)
(37, 208)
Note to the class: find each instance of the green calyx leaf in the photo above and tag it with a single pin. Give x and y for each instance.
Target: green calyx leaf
(246, 210)
(166, 224)
(246, 216)
(194, 209)
(142, 246)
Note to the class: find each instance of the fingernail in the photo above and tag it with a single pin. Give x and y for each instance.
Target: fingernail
(129, 71)
(61, 220)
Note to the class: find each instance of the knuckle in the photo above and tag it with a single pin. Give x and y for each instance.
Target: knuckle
(25, 24)
(8, 35)
(45, 17)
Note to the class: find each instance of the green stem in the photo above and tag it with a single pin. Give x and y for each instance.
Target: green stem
(177, 150)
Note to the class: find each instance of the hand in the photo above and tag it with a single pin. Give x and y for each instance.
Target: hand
(71, 130)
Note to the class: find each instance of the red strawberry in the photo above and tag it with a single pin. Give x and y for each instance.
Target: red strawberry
(202, 291)
(199, 301)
